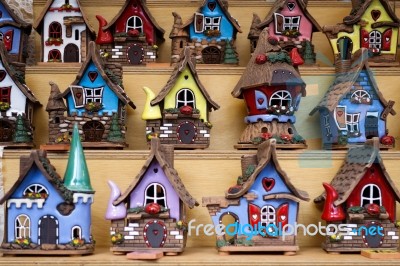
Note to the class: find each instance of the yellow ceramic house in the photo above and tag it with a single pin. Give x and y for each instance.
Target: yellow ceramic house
(371, 24)
(178, 115)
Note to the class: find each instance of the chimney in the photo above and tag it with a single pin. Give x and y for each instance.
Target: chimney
(169, 154)
(342, 66)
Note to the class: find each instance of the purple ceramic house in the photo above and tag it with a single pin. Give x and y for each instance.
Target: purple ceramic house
(150, 214)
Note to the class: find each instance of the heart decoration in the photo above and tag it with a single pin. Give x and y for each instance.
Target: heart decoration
(155, 232)
(78, 95)
(260, 100)
(254, 217)
(291, 5)
(211, 6)
(375, 14)
(186, 132)
(283, 217)
(93, 75)
(2, 75)
(339, 113)
(268, 183)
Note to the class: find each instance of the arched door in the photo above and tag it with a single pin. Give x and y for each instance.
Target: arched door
(186, 132)
(135, 54)
(71, 53)
(93, 131)
(155, 233)
(373, 235)
(6, 131)
(211, 55)
(48, 230)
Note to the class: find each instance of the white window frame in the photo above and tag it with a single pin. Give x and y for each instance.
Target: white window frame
(268, 215)
(185, 101)
(80, 231)
(288, 23)
(375, 40)
(353, 122)
(281, 95)
(361, 94)
(155, 198)
(132, 24)
(370, 199)
(212, 23)
(22, 230)
(36, 188)
(93, 95)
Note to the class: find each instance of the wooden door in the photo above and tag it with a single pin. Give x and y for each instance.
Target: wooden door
(211, 55)
(373, 238)
(135, 54)
(371, 126)
(155, 233)
(71, 53)
(48, 230)
(93, 131)
(186, 132)
(6, 131)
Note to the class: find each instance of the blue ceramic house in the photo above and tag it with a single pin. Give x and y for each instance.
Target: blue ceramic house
(14, 32)
(47, 213)
(212, 28)
(96, 97)
(263, 196)
(353, 109)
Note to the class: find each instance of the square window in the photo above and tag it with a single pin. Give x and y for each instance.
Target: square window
(207, 20)
(216, 20)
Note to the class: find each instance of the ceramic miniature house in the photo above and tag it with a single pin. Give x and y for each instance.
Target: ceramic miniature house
(64, 30)
(271, 88)
(362, 197)
(132, 37)
(179, 114)
(372, 24)
(210, 33)
(353, 109)
(290, 22)
(264, 198)
(17, 104)
(14, 32)
(150, 214)
(96, 100)
(47, 215)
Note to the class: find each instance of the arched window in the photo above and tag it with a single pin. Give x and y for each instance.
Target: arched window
(281, 98)
(375, 39)
(268, 215)
(360, 96)
(155, 193)
(55, 30)
(22, 226)
(134, 23)
(371, 193)
(54, 55)
(185, 97)
(76, 232)
(36, 189)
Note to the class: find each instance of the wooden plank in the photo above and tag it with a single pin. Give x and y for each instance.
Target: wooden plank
(145, 255)
(381, 254)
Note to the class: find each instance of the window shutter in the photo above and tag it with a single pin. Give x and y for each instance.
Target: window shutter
(78, 96)
(364, 39)
(198, 22)
(279, 19)
(340, 117)
(254, 215)
(8, 39)
(261, 100)
(282, 215)
(387, 39)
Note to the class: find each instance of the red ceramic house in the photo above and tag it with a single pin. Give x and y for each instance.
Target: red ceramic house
(132, 37)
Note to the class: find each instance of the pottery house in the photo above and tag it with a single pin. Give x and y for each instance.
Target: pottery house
(210, 33)
(132, 37)
(48, 215)
(290, 22)
(151, 213)
(353, 109)
(362, 197)
(179, 114)
(264, 198)
(372, 24)
(95, 100)
(272, 89)
(14, 33)
(64, 30)
(17, 104)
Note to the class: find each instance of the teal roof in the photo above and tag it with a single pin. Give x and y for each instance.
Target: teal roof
(76, 176)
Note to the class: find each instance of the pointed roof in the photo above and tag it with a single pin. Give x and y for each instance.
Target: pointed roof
(55, 102)
(39, 158)
(76, 177)
(17, 21)
(279, 5)
(21, 86)
(266, 154)
(93, 55)
(159, 31)
(357, 162)
(159, 153)
(186, 60)
(269, 73)
(359, 8)
(344, 82)
(38, 25)
(177, 28)
(224, 7)
(254, 30)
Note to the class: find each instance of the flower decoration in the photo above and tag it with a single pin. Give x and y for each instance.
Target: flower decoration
(93, 106)
(292, 33)
(212, 33)
(4, 106)
(117, 238)
(23, 241)
(54, 41)
(182, 225)
(35, 195)
(77, 242)
(133, 33)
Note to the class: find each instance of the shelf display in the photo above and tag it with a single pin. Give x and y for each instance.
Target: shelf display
(47, 215)
(65, 31)
(353, 109)
(372, 24)
(362, 198)
(272, 89)
(210, 33)
(290, 22)
(132, 37)
(178, 115)
(263, 198)
(150, 214)
(96, 100)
